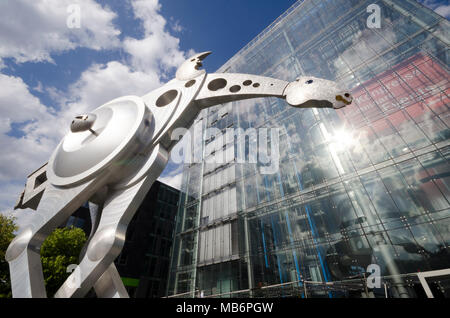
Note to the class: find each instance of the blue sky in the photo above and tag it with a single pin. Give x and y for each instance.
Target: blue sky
(49, 72)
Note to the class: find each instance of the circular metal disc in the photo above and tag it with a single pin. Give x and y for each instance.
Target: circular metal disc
(82, 154)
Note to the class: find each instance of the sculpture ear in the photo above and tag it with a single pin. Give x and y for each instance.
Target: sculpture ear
(202, 56)
(190, 69)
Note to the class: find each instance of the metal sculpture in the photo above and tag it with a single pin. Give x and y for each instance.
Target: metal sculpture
(111, 157)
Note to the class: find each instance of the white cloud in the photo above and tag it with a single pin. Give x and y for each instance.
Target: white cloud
(7, 192)
(102, 83)
(176, 27)
(438, 6)
(97, 85)
(173, 178)
(18, 104)
(443, 10)
(148, 63)
(39, 87)
(33, 30)
(19, 156)
(22, 217)
(158, 50)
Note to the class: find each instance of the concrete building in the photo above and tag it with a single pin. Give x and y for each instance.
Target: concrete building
(144, 261)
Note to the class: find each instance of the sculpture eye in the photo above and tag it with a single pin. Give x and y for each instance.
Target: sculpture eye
(309, 81)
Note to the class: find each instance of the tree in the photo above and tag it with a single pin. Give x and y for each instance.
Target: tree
(58, 251)
(7, 229)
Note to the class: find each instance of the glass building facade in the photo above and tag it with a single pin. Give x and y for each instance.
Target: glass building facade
(143, 263)
(366, 184)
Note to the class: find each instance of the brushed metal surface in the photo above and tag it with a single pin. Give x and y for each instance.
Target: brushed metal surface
(308, 91)
(113, 158)
(109, 238)
(23, 254)
(190, 69)
(217, 88)
(83, 123)
(110, 285)
(82, 154)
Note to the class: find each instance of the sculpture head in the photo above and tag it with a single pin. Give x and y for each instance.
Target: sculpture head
(112, 155)
(308, 91)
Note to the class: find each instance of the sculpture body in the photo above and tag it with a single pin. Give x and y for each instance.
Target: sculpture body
(112, 156)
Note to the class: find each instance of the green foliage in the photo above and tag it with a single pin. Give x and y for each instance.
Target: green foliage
(7, 229)
(58, 251)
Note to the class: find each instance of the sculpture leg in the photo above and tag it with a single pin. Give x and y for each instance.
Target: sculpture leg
(23, 253)
(110, 285)
(108, 240)
(118, 210)
(95, 211)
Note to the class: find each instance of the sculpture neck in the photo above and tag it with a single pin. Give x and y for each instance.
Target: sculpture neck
(227, 87)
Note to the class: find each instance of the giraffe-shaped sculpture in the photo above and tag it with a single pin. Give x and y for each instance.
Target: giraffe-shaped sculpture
(110, 158)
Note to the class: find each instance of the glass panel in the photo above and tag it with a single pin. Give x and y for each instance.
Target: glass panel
(368, 183)
(422, 188)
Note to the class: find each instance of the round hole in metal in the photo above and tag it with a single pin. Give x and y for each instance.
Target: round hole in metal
(190, 83)
(166, 98)
(217, 84)
(235, 88)
(309, 81)
(256, 85)
(247, 83)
